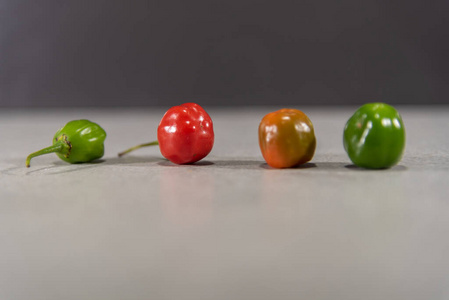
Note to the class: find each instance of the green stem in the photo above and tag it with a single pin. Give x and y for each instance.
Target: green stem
(138, 147)
(54, 148)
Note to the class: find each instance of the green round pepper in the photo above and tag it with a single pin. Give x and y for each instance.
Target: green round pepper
(374, 137)
(78, 141)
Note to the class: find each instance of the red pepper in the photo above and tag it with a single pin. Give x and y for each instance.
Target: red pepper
(185, 134)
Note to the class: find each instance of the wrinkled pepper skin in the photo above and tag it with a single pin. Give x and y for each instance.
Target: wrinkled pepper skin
(77, 142)
(185, 134)
(86, 141)
(286, 138)
(374, 137)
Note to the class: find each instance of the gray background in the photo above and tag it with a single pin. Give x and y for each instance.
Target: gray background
(217, 52)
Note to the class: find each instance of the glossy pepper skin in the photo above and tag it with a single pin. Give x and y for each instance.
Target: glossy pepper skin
(286, 138)
(77, 142)
(185, 134)
(374, 137)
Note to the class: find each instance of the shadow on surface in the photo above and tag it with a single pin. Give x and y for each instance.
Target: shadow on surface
(332, 166)
(47, 170)
(303, 166)
(237, 164)
(356, 168)
(62, 167)
(63, 163)
(224, 164)
(167, 163)
(130, 159)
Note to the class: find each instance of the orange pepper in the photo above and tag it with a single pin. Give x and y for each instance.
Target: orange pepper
(286, 138)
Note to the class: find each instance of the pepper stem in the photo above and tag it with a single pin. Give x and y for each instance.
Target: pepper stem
(57, 147)
(138, 147)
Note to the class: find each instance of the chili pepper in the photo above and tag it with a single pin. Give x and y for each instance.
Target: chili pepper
(374, 137)
(286, 138)
(185, 134)
(78, 141)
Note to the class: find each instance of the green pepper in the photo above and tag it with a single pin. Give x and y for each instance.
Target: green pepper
(374, 137)
(78, 141)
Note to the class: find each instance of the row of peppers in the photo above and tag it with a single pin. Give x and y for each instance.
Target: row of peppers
(374, 137)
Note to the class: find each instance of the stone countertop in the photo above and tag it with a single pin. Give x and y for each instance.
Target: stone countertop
(229, 227)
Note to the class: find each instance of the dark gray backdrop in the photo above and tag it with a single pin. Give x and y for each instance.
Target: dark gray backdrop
(224, 52)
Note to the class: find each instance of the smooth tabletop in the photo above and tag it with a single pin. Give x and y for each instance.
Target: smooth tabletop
(228, 227)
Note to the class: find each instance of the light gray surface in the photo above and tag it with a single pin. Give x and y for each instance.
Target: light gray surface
(229, 228)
